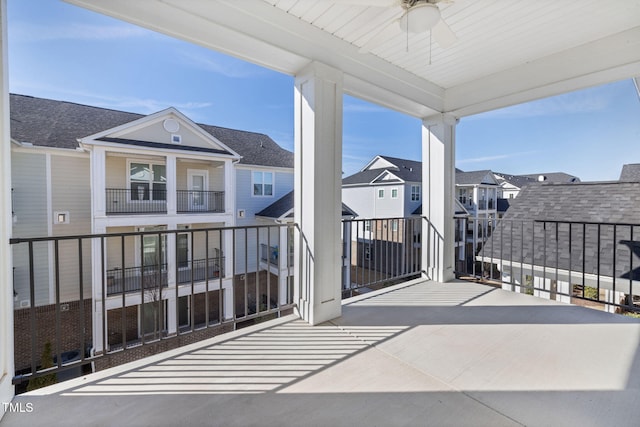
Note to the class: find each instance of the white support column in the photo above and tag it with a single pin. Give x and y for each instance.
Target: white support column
(283, 259)
(172, 195)
(438, 182)
(6, 278)
(98, 181)
(229, 186)
(97, 277)
(346, 255)
(318, 173)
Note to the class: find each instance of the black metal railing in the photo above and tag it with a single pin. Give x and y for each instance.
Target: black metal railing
(200, 269)
(586, 263)
(200, 201)
(132, 278)
(97, 312)
(378, 252)
(137, 201)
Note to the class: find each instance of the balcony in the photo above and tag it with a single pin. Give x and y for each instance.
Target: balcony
(420, 353)
(133, 277)
(190, 201)
(143, 201)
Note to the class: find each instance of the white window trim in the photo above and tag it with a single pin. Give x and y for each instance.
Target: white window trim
(273, 183)
(128, 172)
(378, 192)
(395, 189)
(418, 192)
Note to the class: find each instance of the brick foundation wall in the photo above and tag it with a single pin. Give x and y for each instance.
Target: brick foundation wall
(71, 326)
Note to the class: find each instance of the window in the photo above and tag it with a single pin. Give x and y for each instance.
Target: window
(367, 225)
(381, 193)
(263, 183)
(394, 193)
(394, 225)
(415, 193)
(148, 181)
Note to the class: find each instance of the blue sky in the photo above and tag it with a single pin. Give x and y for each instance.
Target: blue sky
(62, 52)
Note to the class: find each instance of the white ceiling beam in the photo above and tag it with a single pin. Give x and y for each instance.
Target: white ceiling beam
(609, 59)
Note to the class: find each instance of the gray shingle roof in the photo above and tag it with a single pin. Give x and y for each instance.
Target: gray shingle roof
(553, 177)
(285, 204)
(50, 123)
(519, 238)
(630, 173)
(517, 180)
(407, 170)
(471, 177)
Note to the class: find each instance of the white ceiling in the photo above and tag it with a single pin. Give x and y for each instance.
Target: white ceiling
(507, 51)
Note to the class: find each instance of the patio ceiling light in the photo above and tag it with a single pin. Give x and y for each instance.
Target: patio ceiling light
(420, 18)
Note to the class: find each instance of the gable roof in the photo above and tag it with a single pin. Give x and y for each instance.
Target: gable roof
(553, 177)
(59, 124)
(516, 180)
(403, 169)
(283, 208)
(630, 173)
(525, 237)
(473, 177)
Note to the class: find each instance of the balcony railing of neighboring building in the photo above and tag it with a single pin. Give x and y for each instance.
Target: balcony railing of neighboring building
(131, 278)
(200, 201)
(378, 252)
(583, 263)
(136, 201)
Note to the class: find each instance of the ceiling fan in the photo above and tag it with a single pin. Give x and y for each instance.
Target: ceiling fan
(410, 17)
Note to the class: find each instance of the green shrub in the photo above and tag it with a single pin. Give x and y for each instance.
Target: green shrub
(46, 361)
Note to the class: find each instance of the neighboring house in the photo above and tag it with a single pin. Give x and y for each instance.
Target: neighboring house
(79, 170)
(510, 185)
(630, 173)
(281, 212)
(556, 237)
(384, 193)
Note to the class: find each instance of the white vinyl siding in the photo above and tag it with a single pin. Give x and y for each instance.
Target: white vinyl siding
(29, 183)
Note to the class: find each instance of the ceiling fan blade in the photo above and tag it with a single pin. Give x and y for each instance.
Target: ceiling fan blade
(385, 33)
(443, 35)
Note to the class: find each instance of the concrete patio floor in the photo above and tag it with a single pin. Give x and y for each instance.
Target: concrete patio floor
(418, 354)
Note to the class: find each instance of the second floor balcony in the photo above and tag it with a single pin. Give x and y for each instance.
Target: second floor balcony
(142, 200)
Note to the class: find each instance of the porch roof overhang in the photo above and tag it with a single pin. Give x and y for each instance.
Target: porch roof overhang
(505, 54)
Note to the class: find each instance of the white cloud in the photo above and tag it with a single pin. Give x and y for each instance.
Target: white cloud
(227, 67)
(493, 158)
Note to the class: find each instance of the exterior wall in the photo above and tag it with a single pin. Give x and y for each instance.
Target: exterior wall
(360, 199)
(283, 184)
(216, 175)
(71, 192)
(387, 207)
(116, 172)
(71, 326)
(31, 219)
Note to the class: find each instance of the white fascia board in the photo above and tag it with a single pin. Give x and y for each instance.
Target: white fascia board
(264, 168)
(612, 58)
(153, 151)
(22, 148)
(372, 161)
(386, 172)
